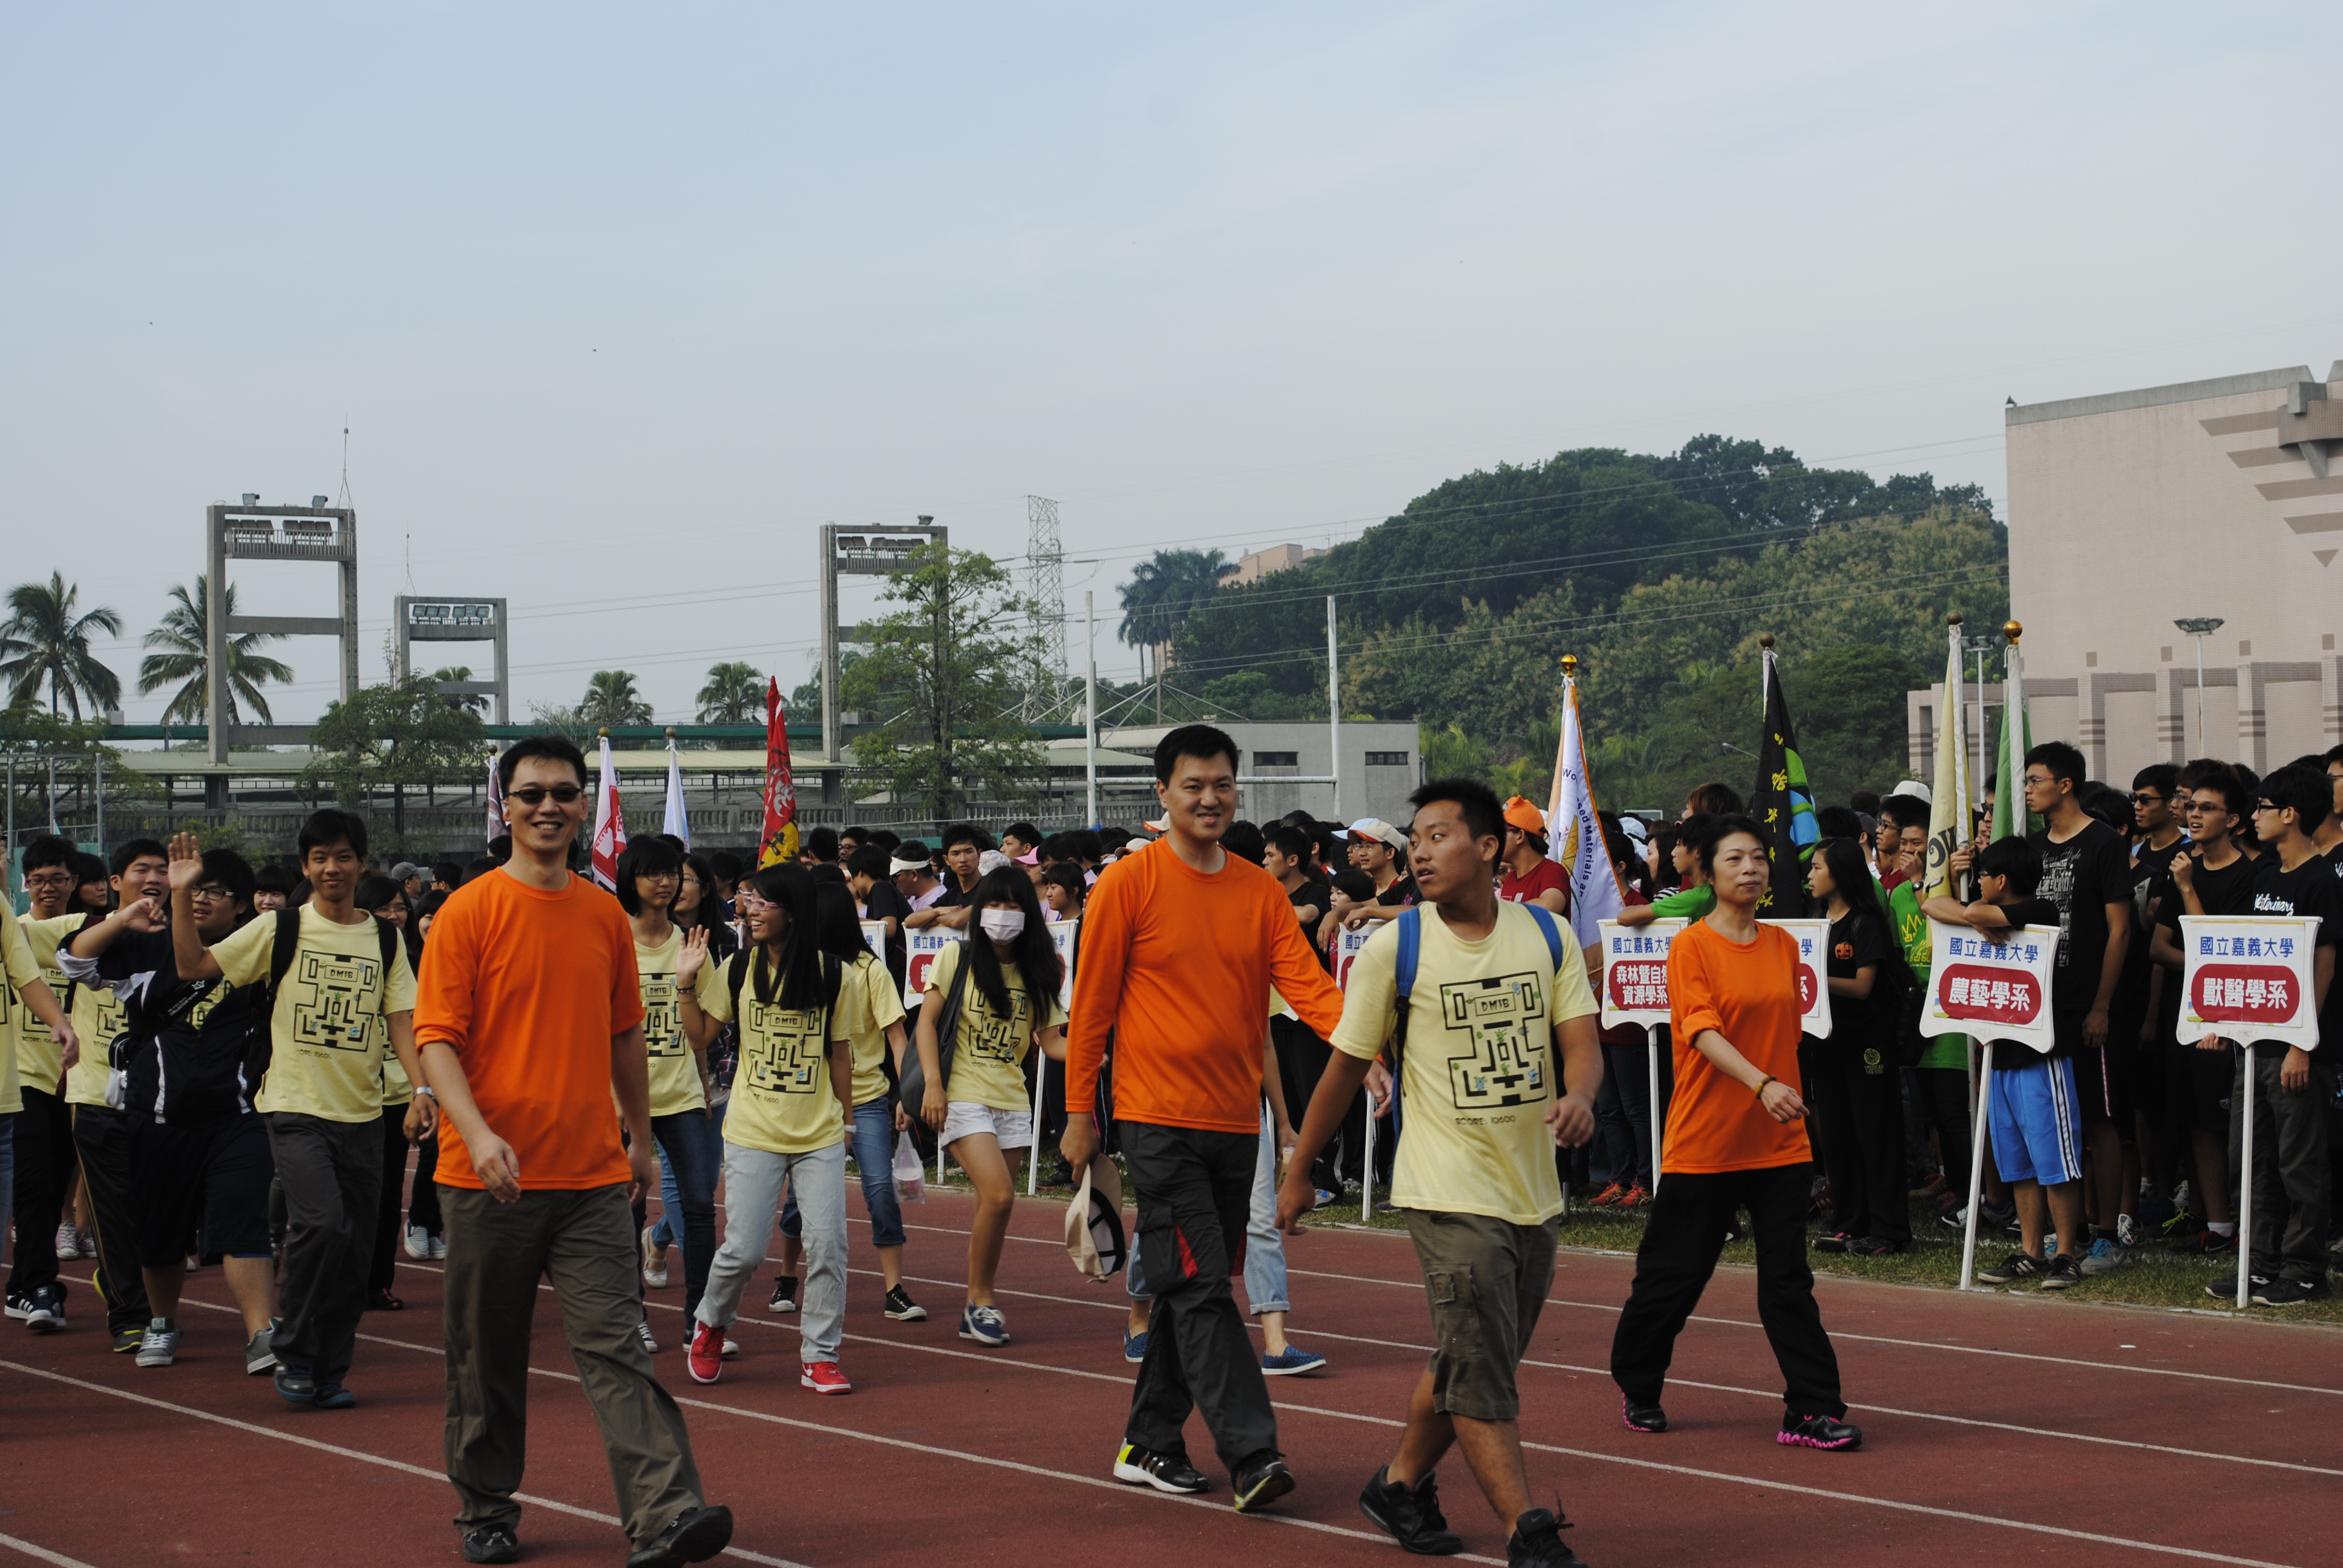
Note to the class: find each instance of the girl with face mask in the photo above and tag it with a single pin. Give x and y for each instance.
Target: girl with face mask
(1008, 1002)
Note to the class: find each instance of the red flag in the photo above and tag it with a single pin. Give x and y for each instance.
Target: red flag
(779, 838)
(609, 822)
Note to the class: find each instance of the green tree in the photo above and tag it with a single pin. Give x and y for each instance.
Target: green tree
(44, 639)
(735, 693)
(184, 658)
(1163, 593)
(611, 700)
(469, 701)
(399, 736)
(942, 679)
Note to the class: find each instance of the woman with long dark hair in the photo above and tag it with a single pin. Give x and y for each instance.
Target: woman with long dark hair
(1736, 1138)
(787, 1121)
(386, 901)
(874, 1020)
(692, 909)
(1001, 982)
(1855, 1078)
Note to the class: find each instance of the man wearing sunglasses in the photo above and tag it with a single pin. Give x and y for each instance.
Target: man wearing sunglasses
(531, 1016)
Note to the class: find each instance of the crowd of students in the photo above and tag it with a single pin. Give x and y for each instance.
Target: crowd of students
(214, 1065)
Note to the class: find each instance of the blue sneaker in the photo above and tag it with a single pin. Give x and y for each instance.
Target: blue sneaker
(2105, 1256)
(1134, 1347)
(295, 1384)
(1294, 1359)
(985, 1325)
(334, 1396)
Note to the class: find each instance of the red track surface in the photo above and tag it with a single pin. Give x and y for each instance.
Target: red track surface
(2019, 1430)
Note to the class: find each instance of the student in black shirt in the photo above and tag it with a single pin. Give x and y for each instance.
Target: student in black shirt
(2087, 872)
(867, 874)
(2288, 1087)
(1854, 1081)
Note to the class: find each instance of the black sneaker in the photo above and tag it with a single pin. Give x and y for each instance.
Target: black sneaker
(1536, 1542)
(1137, 1466)
(296, 1385)
(1641, 1417)
(2066, 1271)
(785, 1294)
(2225, 1288)
(1836, 1241)
(1261, 1481)
(1817, 1432)
(2011, 1269)
(1410, 1515)
(1874, 1247)
(697, 1534)
(44, 1308)
(902, 1309)
(2284, 1292)
(491, 1544)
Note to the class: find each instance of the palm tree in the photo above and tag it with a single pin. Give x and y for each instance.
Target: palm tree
(467, 701)
(42, 639)
(611, 700)
(184, 658)
(735, 693)
(1163, 592)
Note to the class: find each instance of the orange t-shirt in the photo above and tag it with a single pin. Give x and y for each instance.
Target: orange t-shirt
(528, 986)
(1750, 996)
(1179, 966)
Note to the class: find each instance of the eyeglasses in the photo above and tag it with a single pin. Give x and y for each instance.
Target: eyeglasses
(210, 891)
(535, 794)
(2262, 806)
(2147, 798)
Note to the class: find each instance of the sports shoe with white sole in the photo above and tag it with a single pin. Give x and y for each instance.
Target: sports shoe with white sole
(257, 1356)
(985, 1325)
(160, 1344)
(785, 1294)
(823, 1377)
(650, 1341)
(1137, 1466)
(419, 1243)
(901, 1308)
(654, 1260)
(704, 1357)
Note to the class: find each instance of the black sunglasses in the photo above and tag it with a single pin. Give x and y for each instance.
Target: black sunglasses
(535, 794)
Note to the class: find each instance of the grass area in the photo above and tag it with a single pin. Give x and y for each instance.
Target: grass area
(2151, 1277)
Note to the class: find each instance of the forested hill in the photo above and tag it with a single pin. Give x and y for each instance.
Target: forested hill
(1657, 571)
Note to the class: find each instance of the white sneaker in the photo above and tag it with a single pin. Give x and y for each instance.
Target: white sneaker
(654, 1260)
(88, 1241)
(160, 1344)
(731, 1349)
(68, 1243)
(643, 1333)
(419, 1243)
(439, 1246)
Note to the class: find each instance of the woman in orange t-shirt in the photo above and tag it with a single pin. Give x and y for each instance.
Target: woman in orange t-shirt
(1736, 1138)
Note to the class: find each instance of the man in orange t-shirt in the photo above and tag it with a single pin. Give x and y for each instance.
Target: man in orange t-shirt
(1180, 945)
(529, 1016)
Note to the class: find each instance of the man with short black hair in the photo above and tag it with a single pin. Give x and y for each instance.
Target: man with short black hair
(868, 873)
(821, 847)
(1181, 943)
(446, 876)
(35, 1132)
(1491, 1088)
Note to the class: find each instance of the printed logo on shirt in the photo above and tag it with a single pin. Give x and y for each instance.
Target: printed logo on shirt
(332, 999)
(2059, 865)
(997, 1039)
(780, 1051)
(662, 1018)
(2272, 904)
(1503, 1062)
(211, 998)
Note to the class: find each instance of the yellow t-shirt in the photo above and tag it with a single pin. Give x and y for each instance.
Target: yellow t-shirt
(782, 1101)
(675, 1070)
(39, 1059)
(330, 1033)
(869, 1003)
(96, 1013)
(988, 1063)
(16, 969)
(1480, 1068)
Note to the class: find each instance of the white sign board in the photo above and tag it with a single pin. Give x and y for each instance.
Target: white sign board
(1635, 971)
(922, 946)
(874, 937)
(1812, 937)
(1347, 945)
(1995, 987)
(1062, 936)
(2249, 979)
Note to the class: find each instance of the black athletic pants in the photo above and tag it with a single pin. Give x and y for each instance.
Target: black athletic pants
(383, 1268)
(423, 1205)
(1944, 1094)
(1195, 1196)
(102, 1136)
(44, 1170)
(1678, 1256)
(331, 1172)
(1857, 1094)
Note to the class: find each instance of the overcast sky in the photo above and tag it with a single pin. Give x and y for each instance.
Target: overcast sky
(619, 304)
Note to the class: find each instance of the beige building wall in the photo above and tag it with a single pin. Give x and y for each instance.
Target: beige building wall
(1260, 563)
(2135, 509)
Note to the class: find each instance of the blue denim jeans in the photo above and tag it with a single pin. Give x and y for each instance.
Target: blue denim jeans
(871, 1140)
(1264, 1253)
(664, 1234)
(692, 1151)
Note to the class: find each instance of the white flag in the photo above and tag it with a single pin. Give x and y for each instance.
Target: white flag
(496, 800)
(609, 822)
(677, 823)
(1575, 832)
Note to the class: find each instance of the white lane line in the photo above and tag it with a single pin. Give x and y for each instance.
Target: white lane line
(439, 1476)
(43, 1552)
(1774, 1396)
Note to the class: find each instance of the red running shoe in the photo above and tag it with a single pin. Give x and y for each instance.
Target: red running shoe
(823, 1377)
(704, 1359)
(1608, 1196)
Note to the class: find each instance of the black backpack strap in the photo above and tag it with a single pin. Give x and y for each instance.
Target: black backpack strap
(387, 935)
(735, 971)
(280, 953)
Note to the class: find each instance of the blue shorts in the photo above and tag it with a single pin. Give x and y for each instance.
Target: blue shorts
(2036, 1124)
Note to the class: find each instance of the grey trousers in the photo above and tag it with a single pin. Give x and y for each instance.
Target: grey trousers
(332, 1175)
(2291, 1155)
(752, 1196)
(583, 1244)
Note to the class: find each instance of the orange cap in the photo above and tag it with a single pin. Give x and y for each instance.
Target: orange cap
(1524, 816)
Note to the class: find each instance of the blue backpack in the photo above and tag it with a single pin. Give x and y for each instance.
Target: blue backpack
(1411, 947)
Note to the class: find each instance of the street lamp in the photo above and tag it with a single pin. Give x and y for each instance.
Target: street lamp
(2200, 627)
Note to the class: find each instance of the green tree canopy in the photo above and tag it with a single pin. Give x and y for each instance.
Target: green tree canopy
(185, 656)
(44, 639)
(399, 736)
(735, 693)
(611, 700)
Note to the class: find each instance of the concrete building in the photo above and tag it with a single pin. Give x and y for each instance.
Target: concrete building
(1260, 563)
(1380, 769)
(2216, 499)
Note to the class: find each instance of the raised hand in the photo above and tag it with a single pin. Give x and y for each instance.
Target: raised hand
(694, 954)
(187, 862)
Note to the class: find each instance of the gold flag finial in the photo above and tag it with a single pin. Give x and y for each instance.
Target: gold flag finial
(1569, 666)
(1954, 619)
(2012, 630)
(1765, 639)
(604, 732)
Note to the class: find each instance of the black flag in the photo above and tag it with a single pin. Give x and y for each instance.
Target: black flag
(1785, 805)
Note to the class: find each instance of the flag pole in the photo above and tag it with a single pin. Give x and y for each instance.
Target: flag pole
(1976, 1178)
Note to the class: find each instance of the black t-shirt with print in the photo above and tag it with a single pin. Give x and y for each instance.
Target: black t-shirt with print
(2308, 890)
(1399, 893)
(1311, 894)
(887, 902)
(2082, 877)
(1854, 943)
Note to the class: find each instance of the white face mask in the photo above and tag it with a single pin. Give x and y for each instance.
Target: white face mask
(1003, 925)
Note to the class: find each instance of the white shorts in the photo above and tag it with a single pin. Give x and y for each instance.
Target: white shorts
(1012, 1129)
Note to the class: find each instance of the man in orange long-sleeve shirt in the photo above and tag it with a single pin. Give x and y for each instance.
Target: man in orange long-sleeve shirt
(1180, 944)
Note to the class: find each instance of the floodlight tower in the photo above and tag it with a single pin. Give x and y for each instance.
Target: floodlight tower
(317, 532)
(1045, 566)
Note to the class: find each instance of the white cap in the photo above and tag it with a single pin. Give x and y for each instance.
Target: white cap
(1161, 825)
(1914, 787)
(991, 860)
(1376, 828)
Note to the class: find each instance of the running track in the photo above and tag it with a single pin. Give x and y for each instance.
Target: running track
(2011, 1429)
